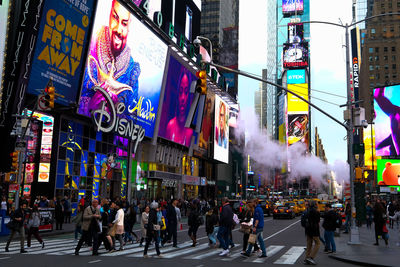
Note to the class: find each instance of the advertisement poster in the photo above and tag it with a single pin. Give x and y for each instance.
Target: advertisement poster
(176, 105)
(295, 55)
(296, 76)
(221, 137)
(206, 129)
(290, 7)
(128, 61)
(60, 48)
(295, 32)
(298, 128)
(3, 32)
(369, 145)
(387, 132)
(388, 172)
(295, 104)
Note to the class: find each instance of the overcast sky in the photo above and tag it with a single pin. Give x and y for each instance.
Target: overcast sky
(327, 60)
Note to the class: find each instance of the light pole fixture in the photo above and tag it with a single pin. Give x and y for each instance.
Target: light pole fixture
(197, 43)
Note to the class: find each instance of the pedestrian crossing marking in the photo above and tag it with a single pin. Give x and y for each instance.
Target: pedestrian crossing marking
(271, 251)
(291, 256)
(185, 251)
(203, 255)
(162, 250)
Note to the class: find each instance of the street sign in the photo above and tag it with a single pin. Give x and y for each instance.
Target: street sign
(20, 146)
(42, 103)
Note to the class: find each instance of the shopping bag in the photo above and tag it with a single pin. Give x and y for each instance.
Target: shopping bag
(252, 238)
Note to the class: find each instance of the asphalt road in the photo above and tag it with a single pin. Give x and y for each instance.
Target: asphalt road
(284, 239)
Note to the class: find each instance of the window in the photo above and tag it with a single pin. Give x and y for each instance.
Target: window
(372, 30)
(392, 28)
(385, 58)
(393, 49)
(398, 3)
(371, 50)
(376, 49)
(386, 76)
(370, 58)
(377, 67)
(394, 76)
(383, 5)
(385, 49)
(371, 67)
(386, 66)
(384, 29)
(376, 58)
(377, 76)
(390, 5)
(394, 66)
(393, 58)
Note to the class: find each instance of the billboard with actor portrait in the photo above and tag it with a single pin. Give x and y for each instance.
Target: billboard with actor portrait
(206, 136)
(298, 128)
(127, 60)
(176, 104)
(221, 137)
(387, 120)
(60, 48)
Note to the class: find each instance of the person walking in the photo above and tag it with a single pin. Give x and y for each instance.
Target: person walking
(212, 226)
(67, 210)
(347, 212)
(130, 220)
(143, 224)
(119, 221)
(369, 213)
(18, 220)
(90, 227)
(59, 215)
(78, 219)
(104, 237)
(225, 226)
(380, 222)
(390, 212)
(312, 217)
(33, 227)
(258, 228)
(396, 217)
(194, 221)
(329, 225)
(4, 207)
(152, 230)
(246, 216)
(172, 224)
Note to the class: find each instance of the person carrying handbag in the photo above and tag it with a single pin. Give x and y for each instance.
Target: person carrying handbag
(33, 227)
(152, 230)
(119, 221)
(246, 219)
(143, 224)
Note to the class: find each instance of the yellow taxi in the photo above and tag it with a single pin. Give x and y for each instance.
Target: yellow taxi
(301, 204)
(293, 205)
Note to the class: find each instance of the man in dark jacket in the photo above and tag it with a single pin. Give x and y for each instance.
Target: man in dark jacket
(347, 212)
(329, 224)
(312, 233)
(172, 223)
(18, 222)
(225, 226)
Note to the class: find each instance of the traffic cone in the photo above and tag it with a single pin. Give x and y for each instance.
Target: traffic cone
(181, 227)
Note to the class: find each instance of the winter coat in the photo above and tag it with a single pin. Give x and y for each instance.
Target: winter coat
(88, 216)
(143, 222)
(171, 215)
(226, 216)
(330, 219)
(78, 219)
(313, 219)
(152, 220)
(193, 219)
(211, 222)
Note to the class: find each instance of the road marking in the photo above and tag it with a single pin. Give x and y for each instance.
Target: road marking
(284, 229)
(95, 261)
(271, 251)
(291, 256)
(185, 251)
(162, 250)
(203, 255)
(4, 258)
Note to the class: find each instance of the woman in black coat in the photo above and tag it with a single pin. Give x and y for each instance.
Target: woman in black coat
(59, 215)
(379, 221)
(151, 231)
(194, 222)
(245, 217)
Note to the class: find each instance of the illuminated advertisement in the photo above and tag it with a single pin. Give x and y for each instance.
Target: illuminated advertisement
(282, 118)
(295, 33)
(296, 76)
(295, 55)
(60, 48)
(176, 104)
(221, 137)
(298, 128)
(205, 136)
(290, 7)
(388, 172)
(369, 146)
(4, 6)
(387, 132)
(233, 115)
(296, 105)
(127, 60)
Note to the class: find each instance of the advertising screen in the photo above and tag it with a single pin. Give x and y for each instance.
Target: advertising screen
(290, 7)
(298, 128)
(176, 104)
(60, 48)
(295, 104)
(295, 33)
(369, 145)
(3, 32)
(388, 172)
(296, 76)
(206, 136)
(295, 55)
(387, 109)
(128, 61)
(233, 115)
(221, 137)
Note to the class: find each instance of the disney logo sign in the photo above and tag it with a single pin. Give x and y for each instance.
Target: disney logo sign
(106, 119)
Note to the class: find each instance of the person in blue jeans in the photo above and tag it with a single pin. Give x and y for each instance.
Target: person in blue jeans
(258, 228)
(225, 226)
(329, 225)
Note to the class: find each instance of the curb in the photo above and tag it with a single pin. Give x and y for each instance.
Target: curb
(356, 262)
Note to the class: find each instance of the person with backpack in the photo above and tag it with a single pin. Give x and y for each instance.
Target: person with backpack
(194, 222)
(330, 224)
(310, 221)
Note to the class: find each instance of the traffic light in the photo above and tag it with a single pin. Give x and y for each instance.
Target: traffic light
(201, 85)
(358, 173)
(15, 158)
(50, 93)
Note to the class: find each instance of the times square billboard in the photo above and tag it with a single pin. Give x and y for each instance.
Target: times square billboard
(295, 55)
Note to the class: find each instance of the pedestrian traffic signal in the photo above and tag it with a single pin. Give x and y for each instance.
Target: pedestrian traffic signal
(50, 94)
(14, 157)
(201, 85)
(358, 173)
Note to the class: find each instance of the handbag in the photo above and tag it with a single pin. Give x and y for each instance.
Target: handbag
(252, 238)
(163, 226)
(112, 230)
(156, 227)
(384, 229)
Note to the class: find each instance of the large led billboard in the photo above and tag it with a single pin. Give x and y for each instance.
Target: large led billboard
(388, 172)
(298, 128)
(296, 105)
(369, 146)
(387, 120)
(295, 55)
(126, 59)
(295, 32)
(4, 5)
(60, 48)
(206, 136)
(290, 7)
(176, 104)
(221, 137)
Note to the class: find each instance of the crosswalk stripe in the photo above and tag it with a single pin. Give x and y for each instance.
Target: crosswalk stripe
(203, 255)
(52, 249)
(231, 257)
(162, 250)
(185, 251)
(271, 251)
(34, 243)
(37, 248)
(291, 256)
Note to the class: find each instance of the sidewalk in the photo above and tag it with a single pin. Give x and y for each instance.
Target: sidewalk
(366, 254)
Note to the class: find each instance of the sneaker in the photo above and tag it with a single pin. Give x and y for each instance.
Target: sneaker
(224, 252)
(311, 261)
(245, 254)
(327, 251)
(42, 245)
(6, 249)
(23, 251)
(263, 256)
(121, 248)
(76, 253)
(305, 262)
(332, 252)
(146, 256)
(160, 255)
(176, 246)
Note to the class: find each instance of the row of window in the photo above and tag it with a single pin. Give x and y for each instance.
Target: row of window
(386, 67)
(377, 76)
(385, 49)
(390, 4)
(384, 29)
(385, 58)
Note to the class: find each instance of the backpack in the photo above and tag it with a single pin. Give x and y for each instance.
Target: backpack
(304, 220)
(235, 219)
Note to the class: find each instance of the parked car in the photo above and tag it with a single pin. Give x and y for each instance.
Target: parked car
(283, 212)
